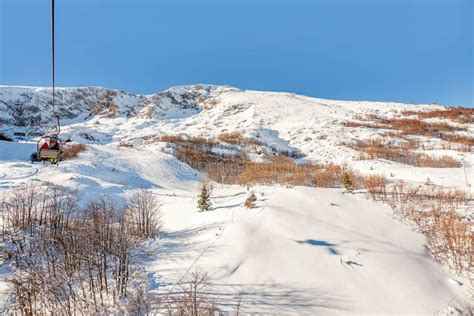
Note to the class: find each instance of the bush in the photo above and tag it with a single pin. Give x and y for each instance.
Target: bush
(347, 182)
(192, 298)
(250, 201)
(451, 239)
(433, 211)
(65, 259)
(72, 151)
(376, 186)
(125, 145)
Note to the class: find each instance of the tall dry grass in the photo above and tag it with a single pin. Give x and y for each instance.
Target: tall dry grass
(460, 115)
(376, 149)
(71, 151)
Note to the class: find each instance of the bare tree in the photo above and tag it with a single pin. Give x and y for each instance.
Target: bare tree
(143, 214)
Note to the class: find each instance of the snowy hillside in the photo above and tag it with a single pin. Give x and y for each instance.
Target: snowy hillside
(301, 250)
(314, 127)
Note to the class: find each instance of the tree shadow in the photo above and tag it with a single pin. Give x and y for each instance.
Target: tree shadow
(269, 299)
(320, 243)
(225, 206)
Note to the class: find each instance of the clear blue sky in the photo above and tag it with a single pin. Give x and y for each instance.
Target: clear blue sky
(417, 51)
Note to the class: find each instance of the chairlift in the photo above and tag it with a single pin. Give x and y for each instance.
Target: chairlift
(49, 148)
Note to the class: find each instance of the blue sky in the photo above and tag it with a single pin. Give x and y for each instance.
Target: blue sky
(417, 51)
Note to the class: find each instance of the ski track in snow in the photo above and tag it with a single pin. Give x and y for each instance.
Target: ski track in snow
(301, 250)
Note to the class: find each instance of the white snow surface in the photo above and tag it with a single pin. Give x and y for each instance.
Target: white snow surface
(286, 256)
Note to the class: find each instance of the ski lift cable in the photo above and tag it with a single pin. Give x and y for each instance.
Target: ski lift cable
(58, 126)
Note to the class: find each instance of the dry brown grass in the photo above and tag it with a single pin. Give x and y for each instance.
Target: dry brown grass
(125, 145)
(460, 115)
(464, 140)
(231, 138)
(417, 127)
(376, 149)
(399, 128)
(186, 140)
(444, 161)
(226, 141)
(406, 126)
(238, 169)
(72, 151)
(234, 138)
(354, 124)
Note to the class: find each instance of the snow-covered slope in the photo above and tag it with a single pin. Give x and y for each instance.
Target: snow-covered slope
(285, 121)
(288, 255)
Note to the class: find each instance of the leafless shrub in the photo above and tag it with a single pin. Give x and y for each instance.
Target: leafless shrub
(198, 142)
(125, 145)
(433, 211)
(376, 186)
(72, 151)
(451, 239)
(438, 162)
(231, 138)
(250, 201)
(353, 124)
(191, 298)
(67, 260)
(464, 142)
(347, 182)
(139, 301)
(31, 206)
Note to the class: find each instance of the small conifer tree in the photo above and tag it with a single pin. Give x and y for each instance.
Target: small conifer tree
(347, 182)
(204, 202)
